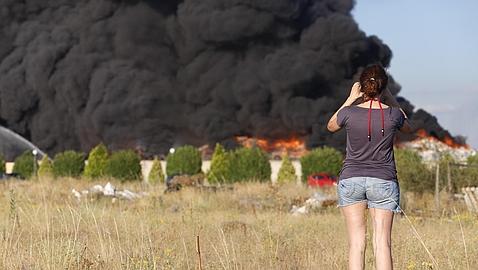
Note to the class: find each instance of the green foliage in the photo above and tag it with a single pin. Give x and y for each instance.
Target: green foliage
(185, 160)
(286, 171)
(156, 174)
(220, 171)
(466, 176)
(472, 160)
(412, 174)
(2, 165)
(249, 164)
(97, 160)
(324, 159)
(241, 165)
(46, 167)
(124, 165)
(446, 168)
(24, 165)
(68, 164)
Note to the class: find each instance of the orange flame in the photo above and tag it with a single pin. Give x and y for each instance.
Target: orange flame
(421, 133)
(450, 142)
(294, 147)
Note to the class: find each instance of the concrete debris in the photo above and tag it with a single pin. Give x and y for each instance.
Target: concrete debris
(431, 150)
(317, 201)
(107, 191)
(76, 194)
(299, 210)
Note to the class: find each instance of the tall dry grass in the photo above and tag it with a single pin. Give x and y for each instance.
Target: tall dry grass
(43, 226)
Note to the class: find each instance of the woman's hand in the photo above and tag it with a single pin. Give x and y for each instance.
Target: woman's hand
(355, 92)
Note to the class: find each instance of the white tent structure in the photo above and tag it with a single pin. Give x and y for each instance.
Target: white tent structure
(13, 145)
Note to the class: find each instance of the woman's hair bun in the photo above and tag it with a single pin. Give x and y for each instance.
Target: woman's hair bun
(373, 80)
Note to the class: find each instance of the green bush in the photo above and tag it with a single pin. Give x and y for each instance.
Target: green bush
(2, 165)
(472, 160)
(185, 160)
(156, 174)
(286, 171)
(97, 159)
(46, 167)
(324, 159)
(24, 166)
(446, 166)
(68, 164)
(220, 171)
(412, 174)
(466, 176)
(124, 165)
(249, 164)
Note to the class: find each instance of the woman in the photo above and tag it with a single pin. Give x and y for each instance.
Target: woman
(368, 177)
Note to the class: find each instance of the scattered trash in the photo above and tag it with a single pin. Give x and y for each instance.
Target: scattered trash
(107, 191)
(317, 201)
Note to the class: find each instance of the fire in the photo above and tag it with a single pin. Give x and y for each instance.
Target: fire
(421, 133)
(450, 142)
(294, 147)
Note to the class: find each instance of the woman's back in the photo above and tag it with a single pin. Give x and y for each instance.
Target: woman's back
(374, 157)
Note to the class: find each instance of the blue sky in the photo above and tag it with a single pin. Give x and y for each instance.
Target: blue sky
(435, 55)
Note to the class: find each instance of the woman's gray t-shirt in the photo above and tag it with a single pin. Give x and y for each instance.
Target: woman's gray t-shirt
(366, 158)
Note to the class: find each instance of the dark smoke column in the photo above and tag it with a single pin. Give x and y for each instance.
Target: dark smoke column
(151, 74)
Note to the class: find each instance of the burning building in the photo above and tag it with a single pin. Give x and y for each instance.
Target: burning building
(431, 149)
(151, 74)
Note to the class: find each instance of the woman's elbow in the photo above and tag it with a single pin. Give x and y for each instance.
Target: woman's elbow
(332, 127)
(329, 128)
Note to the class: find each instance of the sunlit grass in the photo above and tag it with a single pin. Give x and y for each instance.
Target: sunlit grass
(43, 226)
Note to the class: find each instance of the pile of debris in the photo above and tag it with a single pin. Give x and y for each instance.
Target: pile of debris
(317, 201)
(431, 149)
(108, 190)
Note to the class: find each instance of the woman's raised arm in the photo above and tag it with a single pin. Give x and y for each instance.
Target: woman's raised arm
(355, 93)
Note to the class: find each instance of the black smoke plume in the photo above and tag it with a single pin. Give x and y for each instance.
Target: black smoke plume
(153, 74)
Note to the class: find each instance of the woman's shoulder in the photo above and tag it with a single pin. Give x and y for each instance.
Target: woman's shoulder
(395, 111)
(345, 109)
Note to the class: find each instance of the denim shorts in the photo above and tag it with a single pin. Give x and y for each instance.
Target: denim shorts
(378, 193)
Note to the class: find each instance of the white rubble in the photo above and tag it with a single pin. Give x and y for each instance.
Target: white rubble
(315, 202)
(431, 150)
(108, 191)
(76, 194)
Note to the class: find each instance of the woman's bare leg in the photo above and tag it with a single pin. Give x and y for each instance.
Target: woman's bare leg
(382, 238)
(356, 228)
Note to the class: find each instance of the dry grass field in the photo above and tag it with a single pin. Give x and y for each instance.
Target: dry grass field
(43, 226)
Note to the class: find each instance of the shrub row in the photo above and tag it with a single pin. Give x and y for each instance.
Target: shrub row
(123, 165)
(415, 176)
(242, 164)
